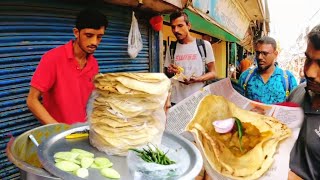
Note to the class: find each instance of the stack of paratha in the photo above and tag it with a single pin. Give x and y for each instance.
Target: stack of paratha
(128, 111)
(260, 138)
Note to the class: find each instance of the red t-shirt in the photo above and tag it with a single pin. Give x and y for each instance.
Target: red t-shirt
(66, 88)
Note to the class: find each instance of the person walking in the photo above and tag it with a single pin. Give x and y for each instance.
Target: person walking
(246, 62)
(267, 83)
(64, 76)
(192, 55)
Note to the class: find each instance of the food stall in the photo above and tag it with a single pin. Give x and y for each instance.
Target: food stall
(125, 116)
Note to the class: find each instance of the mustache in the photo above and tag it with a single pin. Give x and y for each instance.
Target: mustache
(177, 34)
(93, 46)
(311, 82)
(260, 60)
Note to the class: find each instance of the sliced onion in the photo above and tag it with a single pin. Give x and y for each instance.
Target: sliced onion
(223, 126)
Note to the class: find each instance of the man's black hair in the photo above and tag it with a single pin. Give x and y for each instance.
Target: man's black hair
(91, 18)
(178, 14)
(267, 40)
(314, 37)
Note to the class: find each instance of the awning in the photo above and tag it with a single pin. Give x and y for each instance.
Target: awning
(202, 25)
(153, 6)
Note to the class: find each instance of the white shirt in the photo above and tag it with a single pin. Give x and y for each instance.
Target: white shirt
(188, 57)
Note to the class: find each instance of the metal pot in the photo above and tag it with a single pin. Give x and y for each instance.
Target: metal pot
(23, 153)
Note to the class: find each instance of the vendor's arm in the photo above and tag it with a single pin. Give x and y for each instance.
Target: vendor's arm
(37, 108)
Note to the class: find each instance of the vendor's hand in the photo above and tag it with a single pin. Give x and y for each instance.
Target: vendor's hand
(173, 69)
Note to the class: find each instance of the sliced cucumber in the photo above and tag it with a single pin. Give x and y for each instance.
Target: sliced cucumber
(110, 164)
(74, 160)
(82, 172)
(94, 165)
(82, 153)
(110, 173)
(58, 160)
(67, 166)
(71, 161)
(68, 156)
(101, 161)
(86, 162)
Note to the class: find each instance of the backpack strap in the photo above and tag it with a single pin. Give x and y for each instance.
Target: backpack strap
(172, 49)
(249, 76)
(201, 48)
(203, 53)
(285, 82)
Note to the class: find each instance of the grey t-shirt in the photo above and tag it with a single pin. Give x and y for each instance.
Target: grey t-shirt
(305, 155)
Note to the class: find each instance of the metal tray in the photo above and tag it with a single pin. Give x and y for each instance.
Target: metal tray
(192, 158)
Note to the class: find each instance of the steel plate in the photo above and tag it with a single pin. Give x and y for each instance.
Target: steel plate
(192, 160)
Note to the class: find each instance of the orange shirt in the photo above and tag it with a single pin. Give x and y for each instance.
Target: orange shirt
(245, 64)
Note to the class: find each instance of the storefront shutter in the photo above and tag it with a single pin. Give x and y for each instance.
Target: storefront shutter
(30, 28)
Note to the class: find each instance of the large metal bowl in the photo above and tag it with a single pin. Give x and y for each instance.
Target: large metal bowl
(191, 159)
(23, 153)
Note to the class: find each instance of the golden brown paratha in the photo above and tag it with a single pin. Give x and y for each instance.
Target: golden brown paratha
(255, 161)
(150, 88)
(144, 77)
(128, 111)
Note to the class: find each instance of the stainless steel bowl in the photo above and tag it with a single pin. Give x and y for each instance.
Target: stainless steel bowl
(23, 153)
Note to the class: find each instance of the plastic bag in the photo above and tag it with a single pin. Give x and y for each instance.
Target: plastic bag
(134, 38)
(150, 131)
(141, 170)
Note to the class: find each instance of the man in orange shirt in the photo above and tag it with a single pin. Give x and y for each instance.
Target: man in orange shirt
(245, 63)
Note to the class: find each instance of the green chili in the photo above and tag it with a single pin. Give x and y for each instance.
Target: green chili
(153, 155)
(240, 131)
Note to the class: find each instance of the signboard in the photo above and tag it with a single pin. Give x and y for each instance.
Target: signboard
(227, 14)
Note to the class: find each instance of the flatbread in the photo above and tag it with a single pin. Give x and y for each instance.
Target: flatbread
(130, 104)
(128, 111)
(124, 141)
(116, 123)
(150, 88)
(144, 77)
(117, 88)
(115, 146)
(253, 163)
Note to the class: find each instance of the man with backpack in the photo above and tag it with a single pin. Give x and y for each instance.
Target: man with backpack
(267, 83)
(190, 55)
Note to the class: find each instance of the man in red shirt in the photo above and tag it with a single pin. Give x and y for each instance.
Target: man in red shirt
(64, 76)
